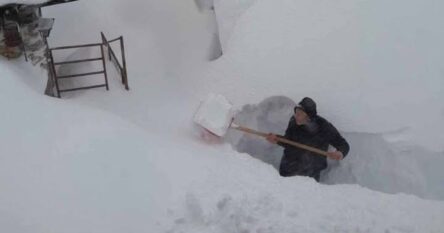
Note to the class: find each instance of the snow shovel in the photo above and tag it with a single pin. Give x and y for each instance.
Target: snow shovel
(216, 115)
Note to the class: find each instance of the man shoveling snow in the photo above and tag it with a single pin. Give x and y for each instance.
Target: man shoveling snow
(308, 128)
(306, 140)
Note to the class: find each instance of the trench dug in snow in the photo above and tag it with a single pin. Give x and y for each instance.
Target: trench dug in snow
(373, 162)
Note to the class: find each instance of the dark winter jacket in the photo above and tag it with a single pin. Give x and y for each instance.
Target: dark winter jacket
(319, 133)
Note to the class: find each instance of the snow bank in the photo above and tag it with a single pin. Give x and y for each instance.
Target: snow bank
(70, 168)
(67, 168)
(373, 75)
(137, 166)
(380, 165)
(373, 162)
(227, 14)
(371, 66)
(285, 207)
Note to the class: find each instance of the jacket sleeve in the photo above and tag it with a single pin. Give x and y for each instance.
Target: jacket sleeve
(335, 139)
(287, 132)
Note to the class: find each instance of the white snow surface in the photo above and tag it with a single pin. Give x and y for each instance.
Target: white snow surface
(370, 60)
(119, 161)
(228, 13)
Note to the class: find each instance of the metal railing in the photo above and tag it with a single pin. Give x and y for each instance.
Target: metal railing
(58, 77)
(121, 68)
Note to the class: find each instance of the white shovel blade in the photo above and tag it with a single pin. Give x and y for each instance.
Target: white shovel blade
(215, 114)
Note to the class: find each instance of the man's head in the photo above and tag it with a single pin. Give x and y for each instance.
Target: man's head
(304, 111)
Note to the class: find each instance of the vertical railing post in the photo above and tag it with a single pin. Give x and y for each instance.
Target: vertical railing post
(104, 67)
(124, 73)
(56, 79)
(105, 42)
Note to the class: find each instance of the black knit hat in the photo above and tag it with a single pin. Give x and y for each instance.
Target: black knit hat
(308, 106)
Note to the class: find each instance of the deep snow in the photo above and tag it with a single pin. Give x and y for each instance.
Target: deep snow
(374, 162)
(373, 75)
(116, 161)
(358, 59)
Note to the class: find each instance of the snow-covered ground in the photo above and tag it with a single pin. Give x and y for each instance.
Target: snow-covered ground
(119, 161)
(369, 60)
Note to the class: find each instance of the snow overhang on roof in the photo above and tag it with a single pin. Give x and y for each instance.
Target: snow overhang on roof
(54, 2)
(40, 3)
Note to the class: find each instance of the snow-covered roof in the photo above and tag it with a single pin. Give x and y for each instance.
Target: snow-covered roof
(33, 2)
(30, 2)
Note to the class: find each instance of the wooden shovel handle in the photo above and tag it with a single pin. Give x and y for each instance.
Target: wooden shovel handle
(283, 140)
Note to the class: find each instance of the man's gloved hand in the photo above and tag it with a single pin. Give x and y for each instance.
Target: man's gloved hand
(337, 155)
(272, 138)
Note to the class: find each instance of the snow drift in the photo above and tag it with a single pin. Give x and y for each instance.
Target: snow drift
(360, 60)
(138, 167)
(373, 68)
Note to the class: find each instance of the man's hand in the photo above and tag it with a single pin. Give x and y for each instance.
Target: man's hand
(337, 155)
(272, 138)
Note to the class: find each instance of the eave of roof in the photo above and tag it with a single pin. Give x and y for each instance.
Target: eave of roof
(35, 3)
